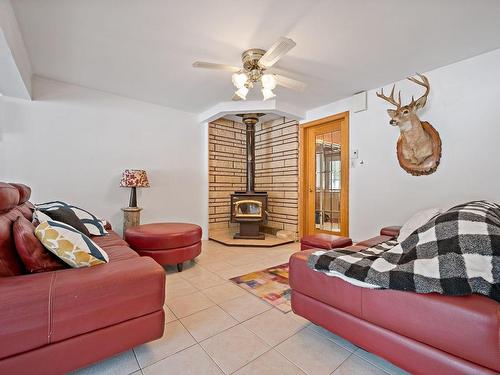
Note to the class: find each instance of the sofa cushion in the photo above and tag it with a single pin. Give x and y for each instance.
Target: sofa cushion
(32, 253)
(118, 253)
(10, 263)
(110, 239)
(24, 192)
(9, 197)
(116, 248)
(26, 210)
(71, 246)
(67, 216)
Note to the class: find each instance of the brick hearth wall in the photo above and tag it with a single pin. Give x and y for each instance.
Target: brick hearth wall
(276, 170)
(226, 157)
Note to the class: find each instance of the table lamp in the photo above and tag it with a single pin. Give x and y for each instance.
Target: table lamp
(134, 178)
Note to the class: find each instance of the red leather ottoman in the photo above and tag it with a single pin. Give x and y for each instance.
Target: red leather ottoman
(167, 243)
(324, 241)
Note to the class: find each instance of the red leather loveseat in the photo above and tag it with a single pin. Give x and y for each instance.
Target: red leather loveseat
(421, 333)
(55, 322)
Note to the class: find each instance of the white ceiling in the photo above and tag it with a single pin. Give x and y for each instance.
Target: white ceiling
(144, 48)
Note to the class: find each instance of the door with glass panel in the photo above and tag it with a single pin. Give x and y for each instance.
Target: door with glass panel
(325, 176)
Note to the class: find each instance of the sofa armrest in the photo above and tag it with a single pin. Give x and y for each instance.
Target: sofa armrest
(392, 231)
(40, 309)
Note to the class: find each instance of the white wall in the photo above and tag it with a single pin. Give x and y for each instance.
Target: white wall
(15, 65)
(464, 107)
(72, 143)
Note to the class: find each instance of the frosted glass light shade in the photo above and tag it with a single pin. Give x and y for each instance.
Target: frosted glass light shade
(239, 80)
(268, 81)
(268, 94)
(242, 92)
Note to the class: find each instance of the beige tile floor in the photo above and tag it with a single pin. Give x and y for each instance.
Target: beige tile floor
(215, 327)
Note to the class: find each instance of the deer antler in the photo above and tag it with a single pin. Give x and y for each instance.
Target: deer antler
(425, 83)
(391, 99)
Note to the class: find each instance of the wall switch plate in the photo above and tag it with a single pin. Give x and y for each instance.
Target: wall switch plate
(354, 154)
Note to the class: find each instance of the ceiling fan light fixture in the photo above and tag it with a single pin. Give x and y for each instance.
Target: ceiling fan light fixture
(268, 93)
(242, 92)
(268, 81)
(239, 80)
(256, 61)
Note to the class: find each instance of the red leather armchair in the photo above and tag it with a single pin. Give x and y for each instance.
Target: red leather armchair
(55, 322)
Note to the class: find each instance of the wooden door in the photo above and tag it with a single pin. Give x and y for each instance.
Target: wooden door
(324, 175)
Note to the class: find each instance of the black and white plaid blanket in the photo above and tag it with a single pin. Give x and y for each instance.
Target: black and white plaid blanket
(457, 253)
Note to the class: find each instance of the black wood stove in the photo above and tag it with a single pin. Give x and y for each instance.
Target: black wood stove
(249, 208)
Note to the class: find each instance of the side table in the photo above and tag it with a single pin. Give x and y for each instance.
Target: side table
(131, 217)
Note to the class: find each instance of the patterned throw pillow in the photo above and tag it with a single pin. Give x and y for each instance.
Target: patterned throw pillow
(71, 246)
(67, 216)
(39, 216)
(94, 225)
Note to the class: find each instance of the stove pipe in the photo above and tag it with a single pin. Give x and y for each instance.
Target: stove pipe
(250, 120)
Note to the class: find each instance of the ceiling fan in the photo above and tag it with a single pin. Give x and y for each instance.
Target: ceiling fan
(256, 68)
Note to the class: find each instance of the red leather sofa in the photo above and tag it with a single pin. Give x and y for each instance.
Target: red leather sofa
(423, 334)
(55, 322)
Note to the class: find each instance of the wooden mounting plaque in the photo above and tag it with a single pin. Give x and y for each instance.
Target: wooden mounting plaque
(429, 165)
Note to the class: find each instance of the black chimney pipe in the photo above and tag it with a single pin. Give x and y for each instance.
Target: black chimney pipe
(250, 120)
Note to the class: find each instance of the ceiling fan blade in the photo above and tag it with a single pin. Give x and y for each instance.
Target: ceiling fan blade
(290, 83)
(274, 70)
(207, 65)
(276, 52)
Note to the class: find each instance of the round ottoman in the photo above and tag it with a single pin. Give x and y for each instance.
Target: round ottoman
(167, 243)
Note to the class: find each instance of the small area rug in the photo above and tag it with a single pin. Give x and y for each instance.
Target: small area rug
(270, 284)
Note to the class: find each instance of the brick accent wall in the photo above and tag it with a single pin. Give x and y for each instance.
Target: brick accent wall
(276, 170)
(226, 158)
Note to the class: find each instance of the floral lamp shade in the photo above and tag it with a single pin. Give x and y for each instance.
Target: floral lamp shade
(134, 178)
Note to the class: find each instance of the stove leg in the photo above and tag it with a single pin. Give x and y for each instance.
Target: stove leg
(179, 267)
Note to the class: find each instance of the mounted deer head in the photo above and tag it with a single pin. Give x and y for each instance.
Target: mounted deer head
(416, 143)
(404, 114)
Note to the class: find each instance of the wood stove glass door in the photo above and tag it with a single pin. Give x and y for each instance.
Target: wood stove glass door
(327, 176)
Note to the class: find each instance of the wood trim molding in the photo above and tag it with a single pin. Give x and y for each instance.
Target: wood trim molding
(338, 116)
(300, 203)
